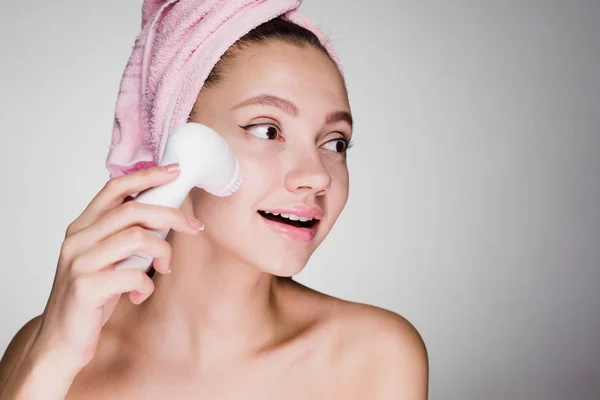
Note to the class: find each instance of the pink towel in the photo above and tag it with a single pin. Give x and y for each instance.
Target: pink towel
(179, 43)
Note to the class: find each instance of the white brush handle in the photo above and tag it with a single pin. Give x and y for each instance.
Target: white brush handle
(171, 194)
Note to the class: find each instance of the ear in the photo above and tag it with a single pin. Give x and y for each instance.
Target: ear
(149, 8)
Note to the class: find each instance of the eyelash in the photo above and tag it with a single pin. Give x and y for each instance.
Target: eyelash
(348, 142)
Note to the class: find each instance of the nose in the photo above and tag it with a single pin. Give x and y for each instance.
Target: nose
(308, 174)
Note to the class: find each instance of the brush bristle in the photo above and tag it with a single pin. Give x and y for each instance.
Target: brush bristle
(232, 186)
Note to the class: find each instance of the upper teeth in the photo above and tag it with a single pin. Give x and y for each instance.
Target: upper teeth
(293, 217)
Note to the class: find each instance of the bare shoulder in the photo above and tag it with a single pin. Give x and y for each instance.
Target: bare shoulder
(15, 348)
(377, 350)
(387, 349)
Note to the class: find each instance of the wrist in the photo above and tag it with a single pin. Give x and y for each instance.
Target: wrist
(53, 362)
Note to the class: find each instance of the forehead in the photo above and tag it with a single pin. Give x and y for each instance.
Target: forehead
(302, 74)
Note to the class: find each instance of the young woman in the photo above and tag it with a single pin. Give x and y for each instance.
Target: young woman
(221, 318)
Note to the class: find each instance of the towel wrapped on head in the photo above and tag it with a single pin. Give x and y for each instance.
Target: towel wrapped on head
(179, 44)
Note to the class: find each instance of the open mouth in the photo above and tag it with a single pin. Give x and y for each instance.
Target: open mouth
(289, 219)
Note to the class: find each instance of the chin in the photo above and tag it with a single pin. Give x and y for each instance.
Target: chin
(283, 257)
(272, 255)
(285, 269)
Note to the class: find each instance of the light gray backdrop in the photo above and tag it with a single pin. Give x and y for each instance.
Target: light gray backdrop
(475, 192)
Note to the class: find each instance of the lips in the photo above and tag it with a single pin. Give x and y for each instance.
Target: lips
(297, 223)
(289, 219)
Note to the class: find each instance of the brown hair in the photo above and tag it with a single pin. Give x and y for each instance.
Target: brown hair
(275, 29)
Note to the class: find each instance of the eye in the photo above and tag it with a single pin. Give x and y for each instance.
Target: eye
(339, 145)
(262, 131)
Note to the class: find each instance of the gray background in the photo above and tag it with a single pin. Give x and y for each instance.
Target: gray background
(475, 190)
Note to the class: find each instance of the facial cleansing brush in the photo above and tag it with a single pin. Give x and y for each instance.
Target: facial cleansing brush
(205, 161)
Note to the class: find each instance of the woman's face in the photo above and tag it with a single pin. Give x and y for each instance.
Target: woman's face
(284, 112)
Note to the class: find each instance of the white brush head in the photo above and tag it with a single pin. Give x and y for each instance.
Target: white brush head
(205, 158)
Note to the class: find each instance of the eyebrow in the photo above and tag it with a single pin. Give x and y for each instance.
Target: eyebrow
(290, 108)
(337, 116)
(272, 101)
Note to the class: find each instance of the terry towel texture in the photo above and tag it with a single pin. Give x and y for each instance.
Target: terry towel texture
(179, 43)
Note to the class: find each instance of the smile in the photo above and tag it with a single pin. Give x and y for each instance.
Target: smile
(291, 225)
(290, 219)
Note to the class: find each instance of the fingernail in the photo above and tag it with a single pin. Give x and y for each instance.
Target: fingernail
(171, 168)
(136, 297)
(194, 223)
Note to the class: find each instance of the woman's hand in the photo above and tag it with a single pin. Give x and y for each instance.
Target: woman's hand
(87, 288)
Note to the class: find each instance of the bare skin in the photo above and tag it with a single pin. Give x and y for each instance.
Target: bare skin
(226, 323)
(327, 349)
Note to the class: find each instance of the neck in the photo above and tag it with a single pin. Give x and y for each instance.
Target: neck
(210, 305)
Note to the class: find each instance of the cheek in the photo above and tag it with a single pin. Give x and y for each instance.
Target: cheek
(262, 169)
(338, 193)
(337, 198)
(259, 177)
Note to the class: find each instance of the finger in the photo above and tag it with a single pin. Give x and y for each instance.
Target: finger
(99, 287)
(138, 298)
(110, 306)
(132, 214)
(115, 248)
(117, 190)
